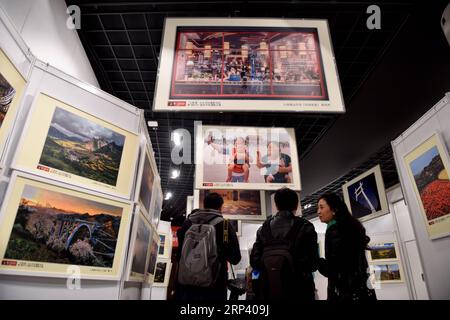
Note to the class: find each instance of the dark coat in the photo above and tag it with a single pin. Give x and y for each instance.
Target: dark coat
(345, 264)
(228, 251)
(305, 253)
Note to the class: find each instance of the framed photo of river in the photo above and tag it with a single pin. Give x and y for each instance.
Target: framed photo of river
(428, 167)
(242, 64)
(48, 228)
(66, 144)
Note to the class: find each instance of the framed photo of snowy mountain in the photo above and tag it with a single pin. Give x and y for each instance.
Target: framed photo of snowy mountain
(66, 144)
(365, 195)
(52, 230)
(428, 167)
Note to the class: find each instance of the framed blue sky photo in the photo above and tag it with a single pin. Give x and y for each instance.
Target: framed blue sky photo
(365, 195)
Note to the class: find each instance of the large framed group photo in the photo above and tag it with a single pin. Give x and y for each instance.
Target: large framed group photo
(246, 158)
(236, 64)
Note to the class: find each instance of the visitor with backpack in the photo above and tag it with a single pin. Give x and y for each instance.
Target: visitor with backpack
(206, 242)
(345, 264)
(285, 253)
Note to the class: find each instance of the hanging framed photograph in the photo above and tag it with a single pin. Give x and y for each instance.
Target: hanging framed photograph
(237, 204)
(162, 272)
(12, 87)
(164, 246)
(137, 254)
(365, 195)
(246, 158)
(157, 204)
(428, 167)
(152, 256)
(383, 251)
(69, 145)
(388, 272)
(48, 228)
(146, 179)
(242, 64)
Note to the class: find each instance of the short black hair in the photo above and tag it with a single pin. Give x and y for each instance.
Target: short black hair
(213, 200)
(286, 200)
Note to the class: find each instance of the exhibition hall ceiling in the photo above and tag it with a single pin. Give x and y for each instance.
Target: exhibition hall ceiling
(122, 40)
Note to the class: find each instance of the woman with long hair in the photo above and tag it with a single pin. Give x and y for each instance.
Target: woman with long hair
(345, 264)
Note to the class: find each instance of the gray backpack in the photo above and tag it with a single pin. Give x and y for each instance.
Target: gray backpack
(199, 263)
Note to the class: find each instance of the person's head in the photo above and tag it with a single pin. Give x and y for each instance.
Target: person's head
(239, 142)
(273, 148)
(331, 207)
(286, 200)
(213, 201)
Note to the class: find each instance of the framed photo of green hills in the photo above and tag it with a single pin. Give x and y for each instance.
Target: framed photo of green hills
(69, 145)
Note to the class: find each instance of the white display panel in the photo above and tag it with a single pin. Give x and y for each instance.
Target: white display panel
(434, 254)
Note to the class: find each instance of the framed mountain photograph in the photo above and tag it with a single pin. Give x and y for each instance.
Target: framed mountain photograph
(66, 144)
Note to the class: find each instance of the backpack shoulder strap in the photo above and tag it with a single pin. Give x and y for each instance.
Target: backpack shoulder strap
(266, 231)
(292, 234)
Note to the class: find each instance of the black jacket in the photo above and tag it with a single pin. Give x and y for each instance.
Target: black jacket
(345, 264)
(228, 251)
(305, 255)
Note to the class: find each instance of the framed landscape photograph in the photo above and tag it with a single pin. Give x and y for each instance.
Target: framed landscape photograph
(246, 158)
(157, 204)
(146, 179)
(383, 251)
(164, 246)
(238, 204)
(365, 195)
(64, 143)
(162, 273)
(12, 87)
(137, 256)
(247, 64)
(389, 272)
(428, 167)
(47, 227)
(152, 256)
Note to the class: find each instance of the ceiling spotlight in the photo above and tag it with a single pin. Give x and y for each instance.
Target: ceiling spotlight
(175, 173)
(307, 206)
(168, 196)
(153, 124)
